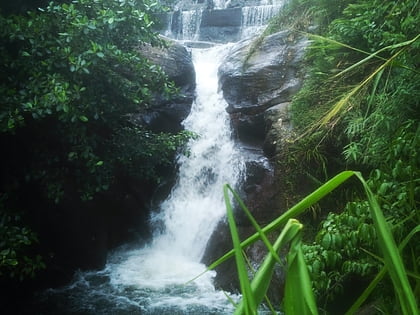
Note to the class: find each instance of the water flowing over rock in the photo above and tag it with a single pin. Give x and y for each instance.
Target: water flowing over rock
(218, 21)
(258, 78)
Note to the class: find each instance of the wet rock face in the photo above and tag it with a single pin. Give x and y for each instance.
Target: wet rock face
(258, 80)
(221, 25)
(167, 115)
(279, 129)
(257, 76)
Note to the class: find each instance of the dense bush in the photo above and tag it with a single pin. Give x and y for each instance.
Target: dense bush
(71, 75)
(360, 110)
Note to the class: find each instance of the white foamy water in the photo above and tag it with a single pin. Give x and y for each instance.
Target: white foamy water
(195, 205)
(191, 21)
(255, 18)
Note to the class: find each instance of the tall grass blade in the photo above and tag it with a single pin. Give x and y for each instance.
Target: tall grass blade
(338, 107)
(254, 223)
(262, 278)
(297, 209)
(375, 54)
(369, 54)
(298, 298)
(365, 294)
(298, 282)
(248, 300)
(336, 43)
(362, 298)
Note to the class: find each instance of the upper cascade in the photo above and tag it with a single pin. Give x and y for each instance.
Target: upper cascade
(218, 21)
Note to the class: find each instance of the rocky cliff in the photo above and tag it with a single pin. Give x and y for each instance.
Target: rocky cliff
(166, 115)
(258, 79)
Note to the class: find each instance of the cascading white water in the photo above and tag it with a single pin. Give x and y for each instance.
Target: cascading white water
(190, 21)
(255, 18)
(195, 205)
(258, 16)
(220, 4)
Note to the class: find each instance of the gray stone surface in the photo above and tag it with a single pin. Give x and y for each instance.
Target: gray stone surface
(167, 115)
(257, 75)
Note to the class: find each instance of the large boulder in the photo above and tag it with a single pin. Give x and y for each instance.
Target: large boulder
(279, 129)
(259, 74)
(176, 61)
(258, 79)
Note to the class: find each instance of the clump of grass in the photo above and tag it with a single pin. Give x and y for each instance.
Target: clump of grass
(299, 297)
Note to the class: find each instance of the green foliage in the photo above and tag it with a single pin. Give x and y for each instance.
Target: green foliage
(73, 71)
(371, 25)
(359, 108)
(301, 15)
(339, 250)
(364, 222)
(71, 76)
(16, 259)
(134, 146)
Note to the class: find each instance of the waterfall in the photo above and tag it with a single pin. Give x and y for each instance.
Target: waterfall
(220, 24)
(195, 204)
(258, 16)
(254, 18)
(190, 21)
(155, 279)
(219, 4)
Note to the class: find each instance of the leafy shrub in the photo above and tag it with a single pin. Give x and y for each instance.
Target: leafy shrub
(73, 72)
(359, 108)
(16, 259)
(71, 75)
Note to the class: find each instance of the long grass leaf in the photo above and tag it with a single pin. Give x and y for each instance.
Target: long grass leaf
(254, 223)
(298, 298)
(365, 294)
(293, 212)
(336, 43)
(338, 107)
(262, 278)
(375, 54)
(247, 296)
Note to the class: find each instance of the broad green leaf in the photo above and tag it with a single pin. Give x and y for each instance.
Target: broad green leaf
(83, 118)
